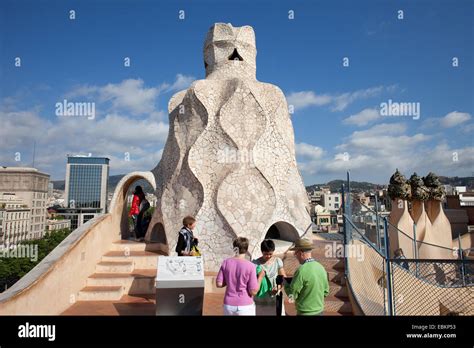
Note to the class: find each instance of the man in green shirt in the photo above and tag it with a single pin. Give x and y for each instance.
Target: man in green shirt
(310, 284)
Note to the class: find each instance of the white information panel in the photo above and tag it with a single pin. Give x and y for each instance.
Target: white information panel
(180, 272)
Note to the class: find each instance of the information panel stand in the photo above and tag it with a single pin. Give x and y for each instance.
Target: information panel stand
(179, 285)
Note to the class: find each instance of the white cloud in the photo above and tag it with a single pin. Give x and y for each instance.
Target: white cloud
(113, 135)
(117, 135)
(338, 102)
(373, 154)
(363, 118)
(308, 151)
(454, 118)
(381, 129)
(468, 128)
(17, 128)
(82, 91)
(304, 99)
(131, 95)
(182, 82)
(376, 152)
(343, 100)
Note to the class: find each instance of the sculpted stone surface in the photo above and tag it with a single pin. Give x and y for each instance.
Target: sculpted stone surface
(399, 187)
(229, 158)
(419, 194)
(439, 233)
(399, 191)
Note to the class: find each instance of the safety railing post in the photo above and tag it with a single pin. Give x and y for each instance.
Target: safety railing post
(344, 228)
(348, 202)
(461, 253)
(377, 222)
(388, 271)
(415, 250)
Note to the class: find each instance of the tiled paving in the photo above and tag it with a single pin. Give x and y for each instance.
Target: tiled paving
(145, 305)
(336, 303)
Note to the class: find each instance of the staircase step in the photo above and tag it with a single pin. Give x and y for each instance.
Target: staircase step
(128, 245)
(137, 282)
(338, 291)
(141, 259)
(336, 277)
(335, 305)
(332, 264)
(114, 267)
(100, 293)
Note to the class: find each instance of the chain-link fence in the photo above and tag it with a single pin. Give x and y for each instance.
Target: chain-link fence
(432, 287)
(362, 271)
(414, 286)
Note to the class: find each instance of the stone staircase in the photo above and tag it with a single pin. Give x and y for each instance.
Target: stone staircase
(337, 302)
(127, 269)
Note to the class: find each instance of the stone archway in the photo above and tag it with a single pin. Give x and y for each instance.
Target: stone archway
(117, 205)
(283, 235)
(282, 230)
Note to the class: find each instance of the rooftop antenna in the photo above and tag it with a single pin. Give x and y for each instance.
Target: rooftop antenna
(34, 153)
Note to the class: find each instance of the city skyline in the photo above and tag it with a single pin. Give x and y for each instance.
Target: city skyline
(338, 119)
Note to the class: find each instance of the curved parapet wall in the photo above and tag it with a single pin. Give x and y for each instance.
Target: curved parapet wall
(367, 280)
(368, 284)
(52, 286)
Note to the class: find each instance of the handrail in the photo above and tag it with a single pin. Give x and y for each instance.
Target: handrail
(419, 241)
(406, 235)
(430, 260)
(364, 237)
(423, 279)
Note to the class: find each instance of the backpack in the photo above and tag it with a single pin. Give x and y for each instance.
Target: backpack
(144, 205)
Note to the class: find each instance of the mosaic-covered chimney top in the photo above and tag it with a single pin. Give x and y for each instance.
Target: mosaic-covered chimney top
(230, 52)
(229, 159)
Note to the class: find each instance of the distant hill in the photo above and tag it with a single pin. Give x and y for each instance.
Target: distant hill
(356, 186)
(467, 181)
(334, 185)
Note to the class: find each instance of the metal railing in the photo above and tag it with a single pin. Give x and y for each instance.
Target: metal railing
(384, 285)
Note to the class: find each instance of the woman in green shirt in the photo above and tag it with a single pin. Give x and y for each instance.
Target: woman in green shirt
(273, 266)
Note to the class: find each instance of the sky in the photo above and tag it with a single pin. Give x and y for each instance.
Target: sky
(423, 55)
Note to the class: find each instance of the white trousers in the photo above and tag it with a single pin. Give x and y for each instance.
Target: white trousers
(239, 310)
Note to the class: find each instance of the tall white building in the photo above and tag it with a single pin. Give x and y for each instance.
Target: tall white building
(14, 220)
(332, 201)
(31, 186)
